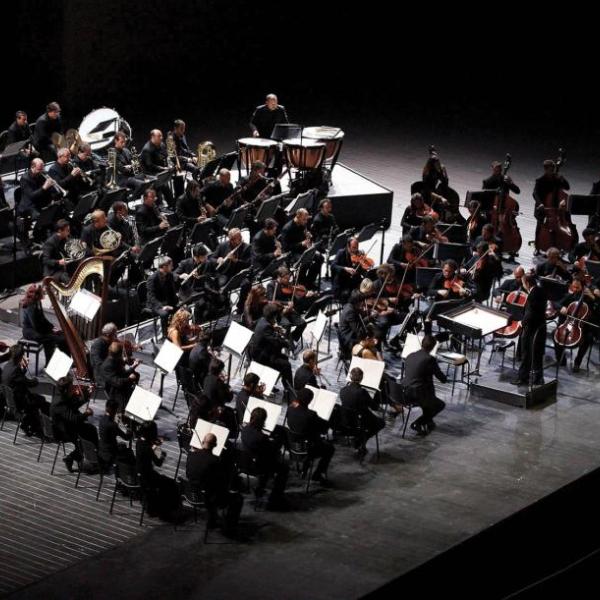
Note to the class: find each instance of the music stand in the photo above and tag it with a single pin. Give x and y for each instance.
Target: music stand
(583, 204)
(457, 252)
(48, 217)
(286, 131)
(236, 281)
(484, 197)
(237, 219)
(170, 240)
(424, 276)
(555, 288)
(323, 402)
(85, 205)
(112, 196)
(305, 200)
(306, 258)
(203, 233)
(455, 232)
(340, 241)
(267, 209)
(145, 184)
(273, 266)
(367, 232)
(235, 343)
(15, 151)
(163, 178)
(149, 252)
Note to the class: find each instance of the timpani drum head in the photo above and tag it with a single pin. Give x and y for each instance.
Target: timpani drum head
(331, 136)
(252, 149)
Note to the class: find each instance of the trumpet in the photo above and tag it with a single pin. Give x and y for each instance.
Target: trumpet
(55, 185)
(85, 177)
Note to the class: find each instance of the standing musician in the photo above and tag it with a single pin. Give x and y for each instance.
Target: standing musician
(496, 181)
(219, 196)
(161, 294)
(154, 161)
(533, 335)
(126, 176)
(268, 341)
(119, 378)
(324, 226)
(54, 258)
(150, 222)
(266, 116)
(553, 266)
(446, 289)
(254, 305)
(46, 125)
(416, 210)
(435, 176)
(185, 156)
(296, 239)
(427, 232)
(265, 246)
(577, 292)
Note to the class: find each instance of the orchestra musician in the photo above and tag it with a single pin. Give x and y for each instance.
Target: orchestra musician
(54, 257)
(533, 334)
(553, 266)
(99, 350)
(119, 378)
(512, 284)
(350, 325)
(232, 256)
(46, 125)
(65, 175)
(405, 257)
(150, 222)
(19, 130)
(190, 208)
(347, 270)
(416, 210)
(306, 373)
(200, 357)
(36, 193)
(120, 222)
(367, 345)
(251, 388)
(161, 294)
(324, 226)
(487, 236)
(588, 248)
(486, 269)
(109, 448)
(182, 335)
(126, 177)
(427, 232)
(154, 161)
(219, 197)
(254, 305)
(477, 219)
(266, 116)
(185, 156)
(265, 246)
(496, 181)
(215, 387)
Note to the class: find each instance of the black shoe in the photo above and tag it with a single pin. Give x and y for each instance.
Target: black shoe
(431, 426)
(576, 368)
(518, 382)
(418, 428)
(278, 504)
(68, 460)
(320, 478)
(361, 452)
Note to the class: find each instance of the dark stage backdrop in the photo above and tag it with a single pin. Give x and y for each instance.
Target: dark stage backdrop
(330, 62)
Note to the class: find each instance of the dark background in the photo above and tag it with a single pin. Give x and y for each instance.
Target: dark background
(489, 68)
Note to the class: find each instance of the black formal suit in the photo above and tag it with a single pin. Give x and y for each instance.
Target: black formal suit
(18, 133)
(42, 136)
(154, 161)
(33, 196)
(98, 354)
(356, 401)
(264, 120)
(148, 222)
(304, 376)
(494, 182)
(108, 445)
(187, 209)
(263, 249)
(53, 251)
(161, 292)
(216, 390)
(547, 269)
(35, 326)
(349, 326)
(266, 346)
(533, 336)
(244, 259)
(419, 370)
(343, 282)
(116, 380)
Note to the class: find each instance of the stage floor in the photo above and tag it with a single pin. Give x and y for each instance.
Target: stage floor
(485, 461)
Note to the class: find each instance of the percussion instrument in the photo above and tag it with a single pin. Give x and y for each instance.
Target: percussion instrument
(251, 149)
(304, 154)
(332, 137)
(98, 128)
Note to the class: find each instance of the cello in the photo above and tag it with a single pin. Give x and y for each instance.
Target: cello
(568, 335)
(503, 215)
(556, 229)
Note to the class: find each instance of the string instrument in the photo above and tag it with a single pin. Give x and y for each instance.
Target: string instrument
(503, 214)
(513, 329)
(361, 260)
(367, 348)
(593, 254)
(569, 333)
(473, 220)
(456, 285)
(556, 230)
(378, 304)
(426, 211)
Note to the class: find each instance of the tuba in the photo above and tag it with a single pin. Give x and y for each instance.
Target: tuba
(207, 151)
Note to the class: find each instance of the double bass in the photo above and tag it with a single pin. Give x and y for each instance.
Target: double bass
(503, 215)
(556, 230)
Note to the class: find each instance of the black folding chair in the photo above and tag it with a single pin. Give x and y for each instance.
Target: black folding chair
(11, 409)
(128, 479)
(49, 436)
(91, 460)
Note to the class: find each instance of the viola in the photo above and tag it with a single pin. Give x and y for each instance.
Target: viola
(298, 291)
(456, 284)
(413, 260)
(360, 259)
(427, 211)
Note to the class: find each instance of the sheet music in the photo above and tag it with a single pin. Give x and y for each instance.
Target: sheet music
(273, 411)
(323, 402)
(143, 404)
(168, 356)
(266, 375)
(372, 371)
(85, 304)
(237, 338)
(202, 428)
(413, 344)
(59, 366)
(318, 328)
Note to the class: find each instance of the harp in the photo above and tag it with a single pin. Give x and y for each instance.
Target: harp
(91, 275)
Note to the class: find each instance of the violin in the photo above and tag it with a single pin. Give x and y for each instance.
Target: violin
(456, 285)
(415, 260)
(360, 259)
(296, 291)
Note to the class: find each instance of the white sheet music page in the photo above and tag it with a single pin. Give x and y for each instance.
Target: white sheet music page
(413, 344)
(59, 366)
(202, 428)
(85, 304)
(323, 402)
(273, 411)
(237, 338)
(372, 371)
(143, 404)
(266, 375)
(168, 356)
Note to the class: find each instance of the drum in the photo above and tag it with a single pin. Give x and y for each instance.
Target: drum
(304, 154)
(332, 137)
(251, 149)
(99, 127)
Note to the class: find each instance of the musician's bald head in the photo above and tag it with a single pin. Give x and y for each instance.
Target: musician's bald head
(37, 165)
(224, 176)
(156, 136)
(109, 330)
(235, 236)
(209, 442)
(518, 272)
(99, 218)
(302, 216)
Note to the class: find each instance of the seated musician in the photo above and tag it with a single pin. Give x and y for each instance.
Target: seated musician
(150, 222)
(181, 335)
(15, 376)
(186, 157)
(36, 326)
(109, 448)
(210, 475)
(403, 256)
(267, 454)
(305, 373)
(324, 226)
(446, 290)
(427, 232)
(306, 425)
(497, 181)
(231, 256)
(487, 236)
(251, 388)
(266, 116)
(414, 213)
(591, 298)
(512, 284)
(487, 268)
(268, 341)
(119, 378)
(66, 175)
(19, 130)
(215, 386)
(69, 423)
(282, 291)
(36, 191)
(356, 401)
(351, 324)
(553, 266)
(588, 248)
(85, 159)
(120, 221)
(54, 257)
(154, 161)
(477, 219)
(218, 196)
(254, 305)
(200, 357)
(391, 302)
(161, 294)
(190, 209)
(45, 126)
(419, 370)
(367, 345)
(346, 270)
(265, 246)
(126, 176)
(99, 349)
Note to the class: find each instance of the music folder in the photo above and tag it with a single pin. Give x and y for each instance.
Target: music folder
(143, 405)
(266, 375)
(372, 371)
(273, 412)
(202, 428)
(59, 366)
(168, 356)
(323, 402)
